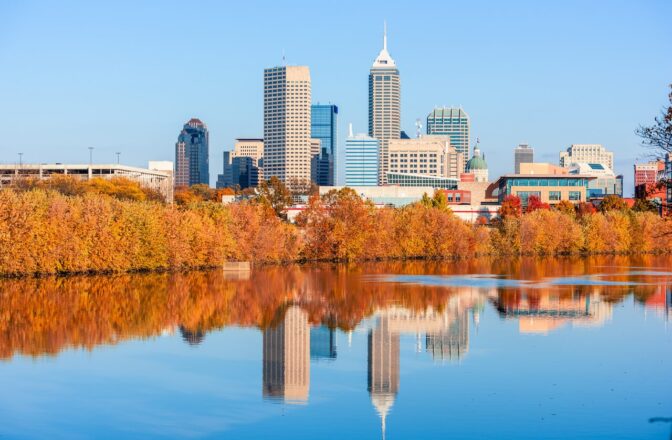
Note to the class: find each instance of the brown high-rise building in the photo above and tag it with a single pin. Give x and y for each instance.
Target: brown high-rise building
(286, 358)
(287, 130)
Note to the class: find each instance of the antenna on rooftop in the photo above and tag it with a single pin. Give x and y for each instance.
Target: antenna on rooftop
(418, 127)
(284, 60)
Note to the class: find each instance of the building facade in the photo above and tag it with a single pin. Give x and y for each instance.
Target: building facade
(668, 178)
(605, 182)
(324, 126)
(430, 156)
(384, 105)
(158, 176)
(287, 126)
(523, 153)
(587, 153)
(649, 172)
(361, 160)
(452, 122)
(192, 164)
(550, 188)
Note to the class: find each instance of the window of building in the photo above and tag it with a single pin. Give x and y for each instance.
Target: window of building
(554, 196)
(575, 195)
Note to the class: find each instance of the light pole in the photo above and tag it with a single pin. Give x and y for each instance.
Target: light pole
(118, 153)
(90, 155)
(20, 159)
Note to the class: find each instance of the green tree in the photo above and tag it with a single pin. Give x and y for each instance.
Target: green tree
(274, 194)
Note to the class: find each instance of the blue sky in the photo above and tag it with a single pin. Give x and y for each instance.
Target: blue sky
(124, 76)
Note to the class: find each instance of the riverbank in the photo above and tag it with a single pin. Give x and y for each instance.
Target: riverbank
(46, 232)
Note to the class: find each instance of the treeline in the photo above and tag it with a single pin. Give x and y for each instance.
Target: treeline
(50, 230)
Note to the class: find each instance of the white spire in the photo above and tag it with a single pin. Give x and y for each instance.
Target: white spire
(384, 59)
(350, 134)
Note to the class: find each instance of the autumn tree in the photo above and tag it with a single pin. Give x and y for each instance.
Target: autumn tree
(534, 203)
(511, 207)
(644, 205)
(274, 194)
(613, 202)
(658, 136)
(566, 207)
(585, 208)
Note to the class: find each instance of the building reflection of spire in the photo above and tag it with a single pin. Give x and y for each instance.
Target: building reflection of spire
(383, 368)
(286, 358)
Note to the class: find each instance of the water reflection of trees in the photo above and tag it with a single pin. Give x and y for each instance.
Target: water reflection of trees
(46, 315)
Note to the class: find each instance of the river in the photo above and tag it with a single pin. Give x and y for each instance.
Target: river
(517, 348)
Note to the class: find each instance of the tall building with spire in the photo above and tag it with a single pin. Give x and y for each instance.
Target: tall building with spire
(191, 154)
(383, 368)
(384, 105)
(287, 128)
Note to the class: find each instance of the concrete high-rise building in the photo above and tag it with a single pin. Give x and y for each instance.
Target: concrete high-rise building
(192, 154)
(588, 153)
(384, 105)
(248, 153)
(523, 153)
(323, 126)
(287, 125)
(453, 122)
(429, 155)
(286, 358)
(361, 160)
(383, 368)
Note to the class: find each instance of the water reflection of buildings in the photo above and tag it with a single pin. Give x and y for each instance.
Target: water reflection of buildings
(286, 358)
(661, 301)
(542, 312)
(322, 343)
(192, 337)
(446, 338)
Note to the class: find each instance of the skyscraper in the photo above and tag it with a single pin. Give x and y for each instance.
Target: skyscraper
(287, 124)
(361, 160)
(191, 154)
(453, 122)
(523, 153)
(384, 105)
(243, 165)
(323, 126)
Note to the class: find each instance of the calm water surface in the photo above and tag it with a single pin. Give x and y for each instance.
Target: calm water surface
(522, 349)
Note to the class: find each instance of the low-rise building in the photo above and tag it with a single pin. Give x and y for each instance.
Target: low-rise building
(605, 183)
(158, 176)
(417, 180)
(550, 188)
(588, 153)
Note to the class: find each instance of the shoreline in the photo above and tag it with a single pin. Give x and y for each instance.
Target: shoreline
(341, 262)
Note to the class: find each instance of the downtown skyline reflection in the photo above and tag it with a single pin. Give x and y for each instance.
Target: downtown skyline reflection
(307, 316)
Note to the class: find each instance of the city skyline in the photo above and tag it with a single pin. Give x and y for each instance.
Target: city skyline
(50, 66)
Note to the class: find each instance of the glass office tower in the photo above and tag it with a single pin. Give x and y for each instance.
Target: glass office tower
(361, 160)
(192, 164)
(453, 122)
(323, 126)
